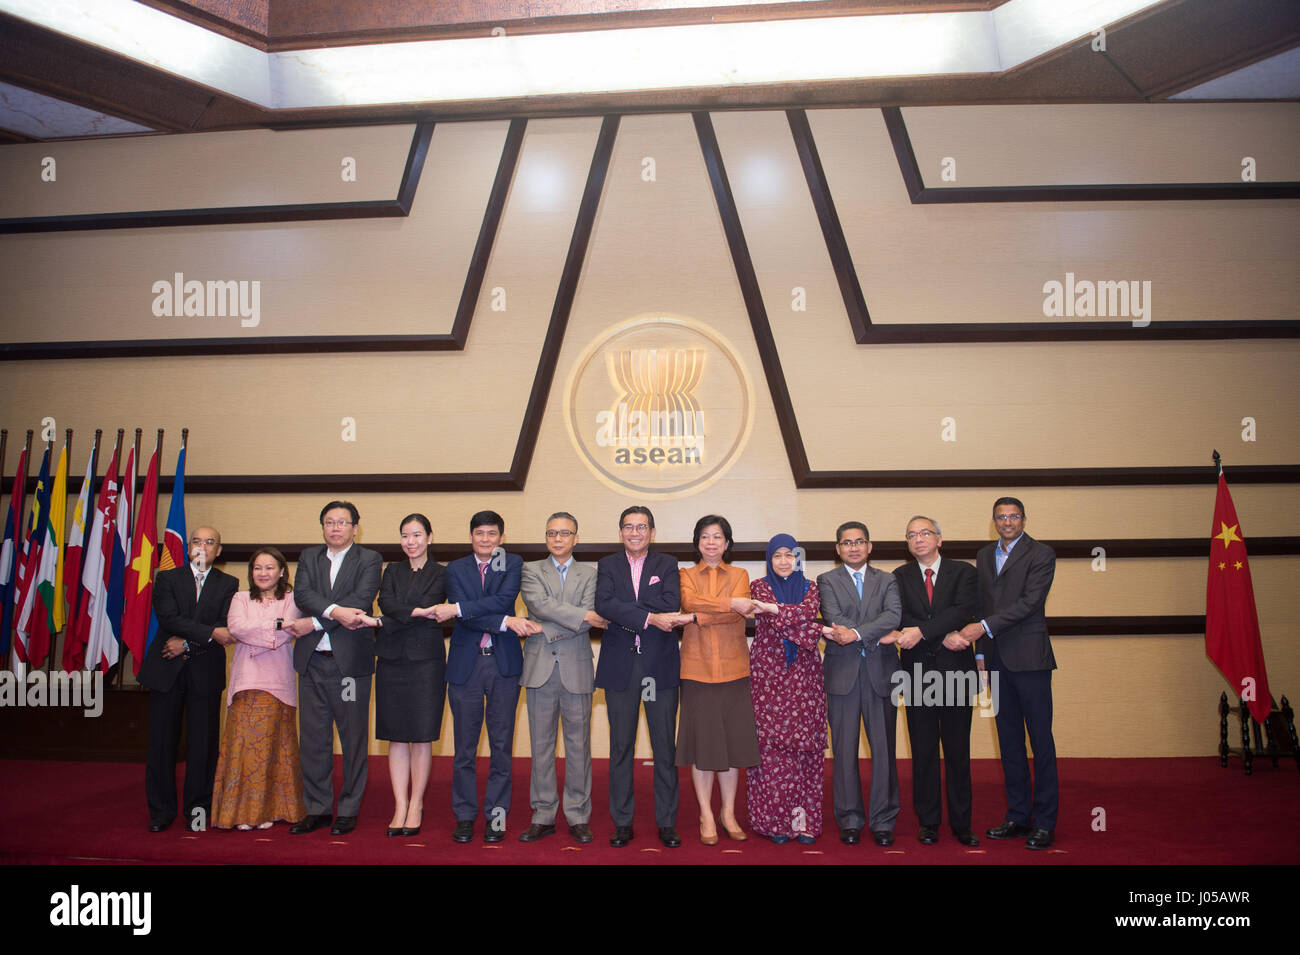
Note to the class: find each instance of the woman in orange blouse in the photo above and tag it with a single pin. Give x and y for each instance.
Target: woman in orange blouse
(716, 733)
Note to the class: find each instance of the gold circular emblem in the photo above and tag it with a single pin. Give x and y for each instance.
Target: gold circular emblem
(659, 405)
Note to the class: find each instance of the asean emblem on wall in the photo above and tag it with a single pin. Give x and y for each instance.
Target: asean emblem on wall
(659, 405)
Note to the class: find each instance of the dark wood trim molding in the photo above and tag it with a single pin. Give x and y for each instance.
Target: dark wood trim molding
(240, 215)
(1114, 192)
(316, 344)
(804, 475)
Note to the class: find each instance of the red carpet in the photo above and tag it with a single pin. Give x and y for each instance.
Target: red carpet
(1156, 812)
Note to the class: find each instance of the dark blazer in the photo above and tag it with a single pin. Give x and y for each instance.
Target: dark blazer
(956, 603)
(355, 586)
(617, 602)
(873, 615)
(483, 606)
(403, 637)
(180, 615)
(1014, 603)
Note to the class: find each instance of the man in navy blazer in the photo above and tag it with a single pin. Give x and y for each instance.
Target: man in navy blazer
(640, 662)
(483, 667)
(1015, 575)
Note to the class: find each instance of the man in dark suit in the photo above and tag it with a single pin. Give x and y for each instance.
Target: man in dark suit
(860, 606)
(185, 671)
(1015, 575)
(939, 597)
(483, 668)
(640, 593)
(335, 589)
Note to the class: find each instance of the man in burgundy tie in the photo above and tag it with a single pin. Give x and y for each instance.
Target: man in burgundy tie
(483, 670)
(939, 597)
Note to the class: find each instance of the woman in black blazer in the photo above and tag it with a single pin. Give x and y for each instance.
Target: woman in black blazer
(410, 673)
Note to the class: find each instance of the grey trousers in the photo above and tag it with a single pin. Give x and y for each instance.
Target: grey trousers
(880, 718)
(327, 699)
(547, 705)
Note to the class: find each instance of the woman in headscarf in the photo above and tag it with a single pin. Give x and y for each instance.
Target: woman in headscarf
(785, 790)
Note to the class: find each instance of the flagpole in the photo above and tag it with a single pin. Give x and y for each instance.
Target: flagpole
(74, 608)
(130, 536)
(1218, 461)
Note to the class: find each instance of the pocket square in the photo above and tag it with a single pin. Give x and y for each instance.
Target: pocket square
(654, 580)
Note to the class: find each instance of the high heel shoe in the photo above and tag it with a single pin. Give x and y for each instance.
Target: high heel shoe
(737, 834)
(708, 840)
(412, 830)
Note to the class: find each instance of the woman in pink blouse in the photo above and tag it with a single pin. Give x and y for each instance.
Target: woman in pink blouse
(259, 777)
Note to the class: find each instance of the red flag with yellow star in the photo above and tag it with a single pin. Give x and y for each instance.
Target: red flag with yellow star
(1231, 623)
(140, 568)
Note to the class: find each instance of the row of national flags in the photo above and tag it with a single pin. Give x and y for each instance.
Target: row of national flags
(90, 577)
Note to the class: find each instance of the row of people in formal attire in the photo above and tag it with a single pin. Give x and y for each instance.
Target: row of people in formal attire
(764, 708)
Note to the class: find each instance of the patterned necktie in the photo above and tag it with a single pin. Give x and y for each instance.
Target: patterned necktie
(198, 586)
(482, 579)
(929, 584)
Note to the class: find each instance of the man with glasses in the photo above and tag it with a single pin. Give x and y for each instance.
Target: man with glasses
(1015, 574)
(939, 597)
(335, 588)
(639, 592)
(860, 607)
(559, 676)
(185, 671)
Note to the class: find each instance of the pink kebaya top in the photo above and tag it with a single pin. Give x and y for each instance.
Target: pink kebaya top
(263, 655)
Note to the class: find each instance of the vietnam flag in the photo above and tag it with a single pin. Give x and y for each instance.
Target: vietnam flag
(138, 584)
(1231, 624)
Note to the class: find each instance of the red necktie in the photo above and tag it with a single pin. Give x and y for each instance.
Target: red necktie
(929, 584)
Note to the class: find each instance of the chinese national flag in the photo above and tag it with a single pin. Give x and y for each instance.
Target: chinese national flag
(1231, 624)
(140, 570)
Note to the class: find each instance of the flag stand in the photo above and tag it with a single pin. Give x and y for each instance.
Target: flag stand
(1280, 724)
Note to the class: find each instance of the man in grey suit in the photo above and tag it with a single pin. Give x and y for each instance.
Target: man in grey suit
(860, 606)
(559, 677)
(335, 588)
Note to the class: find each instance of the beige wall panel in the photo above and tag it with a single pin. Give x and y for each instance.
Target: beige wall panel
(339, 277)
(989, 262)
(204, 171)
(1076, 144)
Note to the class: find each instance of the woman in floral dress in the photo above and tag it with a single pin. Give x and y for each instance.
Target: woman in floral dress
(785, 790)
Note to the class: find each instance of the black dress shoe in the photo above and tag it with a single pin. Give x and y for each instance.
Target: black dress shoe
(410, 830)
(343, 825)
(928, 835)
(669, 837)
(1008, 830)
(966, 838)
(883, 838)
(159, 826)
(535, 832)
(399, 831)
(1039, 839)
(581, 833)
(850, 837)
(621, 837)
(309, 824)
(464, 831)
(493, 834)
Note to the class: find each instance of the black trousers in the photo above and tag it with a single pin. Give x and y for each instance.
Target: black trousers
(200, 708)
(927, 727)
(621, 706)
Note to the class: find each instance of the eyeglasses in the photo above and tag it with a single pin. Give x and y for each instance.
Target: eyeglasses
(566, 533)
(205, 541)
(1007, 518)
(913, 535)
(332, 524)
(856, 542)
(635, 528)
